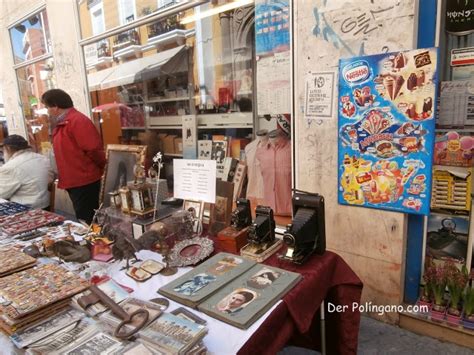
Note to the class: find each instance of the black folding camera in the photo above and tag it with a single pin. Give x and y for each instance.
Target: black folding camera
(262, 230)
(242, 215)
(307, 233)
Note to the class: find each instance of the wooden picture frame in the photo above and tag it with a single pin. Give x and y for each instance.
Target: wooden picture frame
(121, 160)
(198, 206)
(221, 211)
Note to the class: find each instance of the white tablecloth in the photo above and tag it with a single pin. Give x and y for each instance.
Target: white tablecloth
(222, 338)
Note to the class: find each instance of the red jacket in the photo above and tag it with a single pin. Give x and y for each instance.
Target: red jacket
(78, 150)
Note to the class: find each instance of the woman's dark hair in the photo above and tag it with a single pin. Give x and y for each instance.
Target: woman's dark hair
(247, 295)
(57, 98)
(269, 275)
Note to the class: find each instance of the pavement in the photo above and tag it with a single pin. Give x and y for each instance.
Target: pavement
(376, 337)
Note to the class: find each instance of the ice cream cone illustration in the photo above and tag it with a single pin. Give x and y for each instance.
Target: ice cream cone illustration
(388, 82)
(398, 85)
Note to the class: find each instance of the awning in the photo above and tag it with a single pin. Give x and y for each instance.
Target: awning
(177, 64)
(95, 79)
(169, 61)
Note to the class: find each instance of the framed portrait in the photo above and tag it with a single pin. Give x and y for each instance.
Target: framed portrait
(236, 301)
(121, 160)
(195, 207)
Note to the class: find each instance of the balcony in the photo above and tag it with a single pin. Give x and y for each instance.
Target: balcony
(103, 49)
(161, 33)
(126, 43)
(98, 55)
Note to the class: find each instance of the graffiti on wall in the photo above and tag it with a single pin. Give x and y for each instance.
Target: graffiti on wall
(341, 28)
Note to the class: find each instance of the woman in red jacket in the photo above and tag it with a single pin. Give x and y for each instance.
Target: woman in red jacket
(79, 153)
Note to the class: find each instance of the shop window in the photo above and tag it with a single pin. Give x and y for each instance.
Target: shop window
(33, 81)
(198, 61)
(31, 45)
(30, 38)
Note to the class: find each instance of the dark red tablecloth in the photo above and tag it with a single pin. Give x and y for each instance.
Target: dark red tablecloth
(296, 320)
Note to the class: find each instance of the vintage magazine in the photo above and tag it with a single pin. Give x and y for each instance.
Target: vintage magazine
(72, 334)
(131, 305)
(47, 327)
(201, 282)
(98, 343)
(245, 299)
(172, 334)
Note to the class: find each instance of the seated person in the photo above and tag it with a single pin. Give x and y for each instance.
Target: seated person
(25, 176)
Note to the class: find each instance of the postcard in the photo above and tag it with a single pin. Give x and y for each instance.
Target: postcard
(196, 285)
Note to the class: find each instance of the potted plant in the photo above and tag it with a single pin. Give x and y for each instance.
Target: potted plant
(426, 298)
(438, 286)
(468, 318)
(456, 281)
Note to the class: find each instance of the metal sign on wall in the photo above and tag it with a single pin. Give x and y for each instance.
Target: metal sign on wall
(459, 18)
(386, 130)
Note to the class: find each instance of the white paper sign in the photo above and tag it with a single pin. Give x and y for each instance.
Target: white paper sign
(195, 179)
(273, 84)
(319, 95)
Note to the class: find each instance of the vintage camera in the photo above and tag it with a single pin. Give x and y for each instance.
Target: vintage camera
(262, 230)
(307, 233)
(242, 215)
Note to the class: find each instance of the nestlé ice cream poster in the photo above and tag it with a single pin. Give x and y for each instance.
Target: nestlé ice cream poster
(386, 110)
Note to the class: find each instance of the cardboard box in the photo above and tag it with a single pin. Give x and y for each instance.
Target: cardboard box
(178, 145)
(168, 144)
(161, 140)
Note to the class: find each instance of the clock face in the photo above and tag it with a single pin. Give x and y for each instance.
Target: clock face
(136, 200)
(125, 205)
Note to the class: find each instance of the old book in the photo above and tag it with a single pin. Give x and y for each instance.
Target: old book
(233, 289)
(219, 152)
(171, 334)
(201, 282)
(204, 149)
(244, 300)
(230, 165)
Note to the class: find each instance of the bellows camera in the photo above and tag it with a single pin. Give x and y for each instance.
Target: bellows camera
(242, 215)
(307, 233)
(262, 230)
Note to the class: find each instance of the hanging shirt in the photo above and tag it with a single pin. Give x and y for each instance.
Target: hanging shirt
(255, 180)
(275, 165)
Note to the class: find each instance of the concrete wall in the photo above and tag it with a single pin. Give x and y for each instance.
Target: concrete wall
(68, 68)
(371, 241)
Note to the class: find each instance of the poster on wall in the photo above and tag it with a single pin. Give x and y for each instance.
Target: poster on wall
(386, 130)
(447, 238)
(272, 43)
(272, 27)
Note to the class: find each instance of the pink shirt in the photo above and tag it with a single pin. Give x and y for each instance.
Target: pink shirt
(255, 181)
(275, 165)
